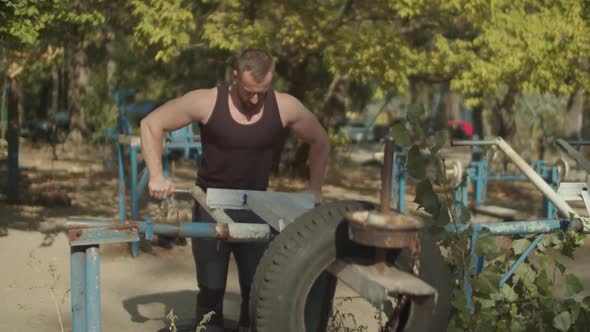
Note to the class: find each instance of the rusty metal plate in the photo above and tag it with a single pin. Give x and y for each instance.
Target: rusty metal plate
(102, 235)
(383, 229)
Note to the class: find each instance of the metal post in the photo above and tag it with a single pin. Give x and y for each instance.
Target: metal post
(458, 203)
(77, 287)
(134, 194)
(165, 170)
(93, 312)
(480, 183)
(133, 166)
(386, 175)
(121, 181)
(399, 177)
(549, 210)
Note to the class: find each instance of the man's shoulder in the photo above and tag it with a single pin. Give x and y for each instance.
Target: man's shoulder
(202, 94)
(285, 100)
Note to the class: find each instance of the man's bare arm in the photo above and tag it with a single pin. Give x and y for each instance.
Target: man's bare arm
(174, 114)
(307, 127)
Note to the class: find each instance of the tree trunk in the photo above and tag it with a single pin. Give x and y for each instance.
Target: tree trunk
(325, 113)
(452, 107)
(295, 74)
(3, 107)
(504, 116)
(12, 135)
(77, 89)
(19, 104)
(478, 121)
(573, 118)
(53, 104)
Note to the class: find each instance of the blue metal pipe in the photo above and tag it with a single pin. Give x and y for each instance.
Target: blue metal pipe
(515, 227)
(134, 205)
(93, 312)
(134, 195)
(121, 182)
(234, 232)
(77, 288)
(143, 181)
(401, 182)
(521, 259)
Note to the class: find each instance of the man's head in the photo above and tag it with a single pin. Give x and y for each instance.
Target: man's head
(253, 76)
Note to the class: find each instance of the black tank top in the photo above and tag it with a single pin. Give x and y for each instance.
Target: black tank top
(238, 156)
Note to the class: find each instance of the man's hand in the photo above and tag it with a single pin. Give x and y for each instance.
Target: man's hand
(160, 188)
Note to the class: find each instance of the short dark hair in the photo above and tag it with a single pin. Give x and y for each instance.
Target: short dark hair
(257, 61)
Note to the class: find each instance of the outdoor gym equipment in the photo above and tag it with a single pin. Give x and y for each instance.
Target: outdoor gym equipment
(378, 253)
(566, 192)
(132, 174)
(555, 194)
(295, 281)
(567, 146)
(479, 173)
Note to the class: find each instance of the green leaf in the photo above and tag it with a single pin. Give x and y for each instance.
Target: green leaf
(543, 282)
(586, 302)
(486, 243)
(416, 164)
(486, 304)
(401, 135)
(543, 260)
(516, 326)
(508, 293)
(563, 321)
(486, 282)
(528, 276)
(572, 285)
(459, 301)
(414, 114)
(426, 197)
(519, 246)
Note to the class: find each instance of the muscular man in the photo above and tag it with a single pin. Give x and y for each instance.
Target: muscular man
(239, 126)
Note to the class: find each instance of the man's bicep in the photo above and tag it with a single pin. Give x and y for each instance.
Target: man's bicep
(176, 113)
(307, 127)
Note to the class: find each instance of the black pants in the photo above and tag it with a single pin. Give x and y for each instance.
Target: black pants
(211, 261)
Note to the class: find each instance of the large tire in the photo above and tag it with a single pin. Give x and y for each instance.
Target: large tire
(296, 258)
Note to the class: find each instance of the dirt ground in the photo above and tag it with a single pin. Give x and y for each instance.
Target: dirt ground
(138, 292)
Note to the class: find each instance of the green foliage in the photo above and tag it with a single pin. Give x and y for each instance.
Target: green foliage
(530, 299)
(165, 24)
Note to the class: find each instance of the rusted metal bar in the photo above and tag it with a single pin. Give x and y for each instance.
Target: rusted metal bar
(95, 231)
